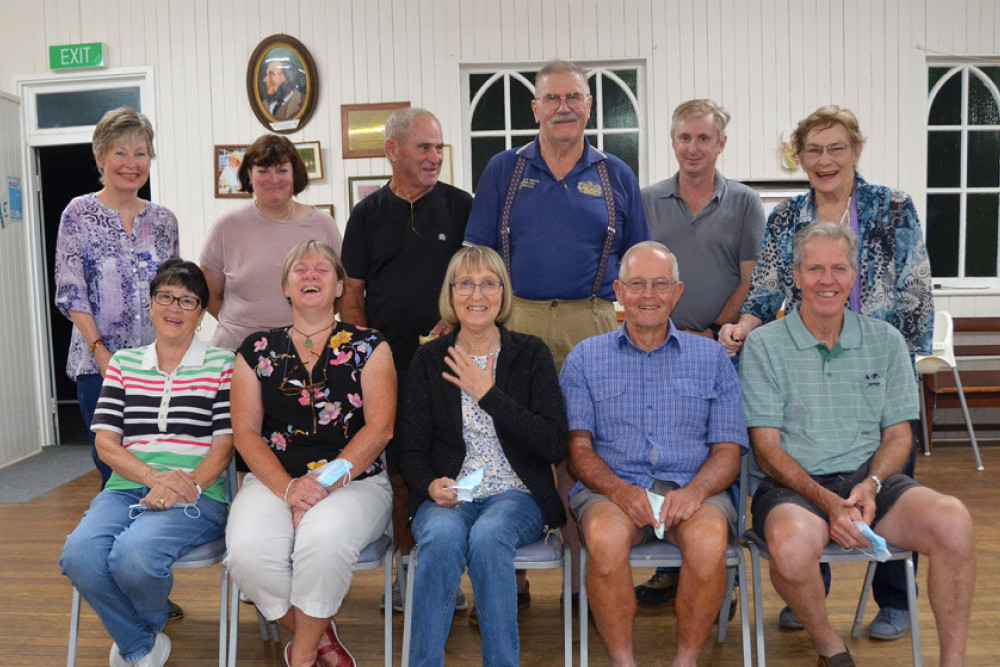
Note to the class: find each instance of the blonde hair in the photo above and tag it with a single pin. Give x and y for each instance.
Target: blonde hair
(305, 248)
(701, 108)
(472, 257)
(823, 119)
(118, 126)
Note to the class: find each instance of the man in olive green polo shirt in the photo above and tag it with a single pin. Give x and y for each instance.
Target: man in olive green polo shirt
(828, 395)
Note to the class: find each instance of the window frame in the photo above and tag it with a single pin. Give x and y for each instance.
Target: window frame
(963, 68)
(639, 99)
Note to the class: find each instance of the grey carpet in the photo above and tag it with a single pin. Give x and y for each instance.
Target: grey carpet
(51, 468)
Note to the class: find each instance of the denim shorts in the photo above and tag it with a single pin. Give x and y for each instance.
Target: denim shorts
(770, 494)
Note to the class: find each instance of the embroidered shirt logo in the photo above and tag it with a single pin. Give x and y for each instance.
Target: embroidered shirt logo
(874, 379)
(529, 182)
(589, 188)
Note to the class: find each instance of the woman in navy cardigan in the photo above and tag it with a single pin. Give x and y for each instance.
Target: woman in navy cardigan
(480, 397)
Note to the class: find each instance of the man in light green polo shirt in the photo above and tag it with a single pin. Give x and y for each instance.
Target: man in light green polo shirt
(828, 396)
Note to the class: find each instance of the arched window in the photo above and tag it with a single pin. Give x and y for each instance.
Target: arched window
(963, 171)
(498, 115)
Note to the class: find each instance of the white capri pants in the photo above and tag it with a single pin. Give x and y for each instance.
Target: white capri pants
(310, 568)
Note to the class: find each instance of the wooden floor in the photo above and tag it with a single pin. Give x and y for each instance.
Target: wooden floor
(34, 615)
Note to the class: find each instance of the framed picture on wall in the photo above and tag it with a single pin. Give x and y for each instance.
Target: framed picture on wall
(226, 161)
(282, 83)
(310, 153)
(326, 208)
(359, 187)
(362, 128)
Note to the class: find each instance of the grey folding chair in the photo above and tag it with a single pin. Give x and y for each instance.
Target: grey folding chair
(834, 554)
(205, 555)
(660, 553)
(376, 554)
(548, 553)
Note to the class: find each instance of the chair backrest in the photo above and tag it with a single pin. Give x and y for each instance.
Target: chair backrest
(944, 345)
(230, 483)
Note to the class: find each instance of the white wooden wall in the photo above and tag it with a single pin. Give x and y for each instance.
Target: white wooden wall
(770, 62)
(20, 413)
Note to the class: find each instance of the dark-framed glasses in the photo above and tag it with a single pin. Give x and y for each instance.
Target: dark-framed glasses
(573, 100)
(185, 302)
(487, 287)
(660, 285)
(293, 386)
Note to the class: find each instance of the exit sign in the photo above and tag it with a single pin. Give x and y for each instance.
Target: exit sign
(72, 56)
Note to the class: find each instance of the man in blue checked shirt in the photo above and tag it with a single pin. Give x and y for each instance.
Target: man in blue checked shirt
(653, 408)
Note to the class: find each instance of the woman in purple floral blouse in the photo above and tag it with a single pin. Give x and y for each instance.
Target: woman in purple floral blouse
(109, 246)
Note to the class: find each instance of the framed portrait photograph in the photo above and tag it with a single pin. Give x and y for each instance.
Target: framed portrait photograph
(226, 163)
(310, 153)
(359, 187)
(326, 208)
(282, 84)
(362, 128)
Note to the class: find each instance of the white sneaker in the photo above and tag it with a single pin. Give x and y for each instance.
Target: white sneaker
(158, 656)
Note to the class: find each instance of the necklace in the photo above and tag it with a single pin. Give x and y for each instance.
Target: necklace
(287, 218)
(308, 342)
(845, 218)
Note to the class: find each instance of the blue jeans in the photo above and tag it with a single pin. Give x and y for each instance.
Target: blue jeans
(88, 390)
(121, 566)
(483, 536)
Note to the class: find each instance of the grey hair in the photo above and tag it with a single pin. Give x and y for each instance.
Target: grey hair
(702, 108)
(560, 67)
(652, 245)
(399, 125)
(825, 230)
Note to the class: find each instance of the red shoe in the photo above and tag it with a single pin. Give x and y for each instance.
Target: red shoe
(335, 649)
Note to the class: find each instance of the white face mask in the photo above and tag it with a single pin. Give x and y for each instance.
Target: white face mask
(880, 551)
(465, 488)
(191, 510)
(656, 503)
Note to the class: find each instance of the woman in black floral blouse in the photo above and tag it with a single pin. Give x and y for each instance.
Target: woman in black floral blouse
(317, 390)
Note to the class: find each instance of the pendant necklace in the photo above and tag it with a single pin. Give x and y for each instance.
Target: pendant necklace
(308, 342)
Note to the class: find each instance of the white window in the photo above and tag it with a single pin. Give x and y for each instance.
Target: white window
(498, 114)
(963, 172)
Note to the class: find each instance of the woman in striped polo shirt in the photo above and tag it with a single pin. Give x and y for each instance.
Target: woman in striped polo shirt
(163, 426)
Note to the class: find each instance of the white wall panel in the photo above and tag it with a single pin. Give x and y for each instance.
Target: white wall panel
(770, 62)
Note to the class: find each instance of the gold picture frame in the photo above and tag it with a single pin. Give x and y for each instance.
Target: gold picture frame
(362, 128)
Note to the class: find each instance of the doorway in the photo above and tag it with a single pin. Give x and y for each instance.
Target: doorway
(64, 172)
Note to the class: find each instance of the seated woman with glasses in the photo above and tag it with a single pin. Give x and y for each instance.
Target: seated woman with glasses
(316, 391)
(478, 398)
(162, 424)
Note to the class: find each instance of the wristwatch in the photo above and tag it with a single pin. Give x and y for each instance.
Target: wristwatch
(878, 484)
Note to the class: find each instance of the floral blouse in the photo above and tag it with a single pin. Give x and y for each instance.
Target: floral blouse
(101, 270)
(895, 270)
(310, 417)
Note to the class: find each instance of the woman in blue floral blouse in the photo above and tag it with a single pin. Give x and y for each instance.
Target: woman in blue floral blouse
(109, 246)
(317, 390)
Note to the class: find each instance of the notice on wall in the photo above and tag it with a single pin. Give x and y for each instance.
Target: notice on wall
(15, 207)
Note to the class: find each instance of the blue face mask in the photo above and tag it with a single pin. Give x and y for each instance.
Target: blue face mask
(465, 488)
(191, 510)
(880, 551)
(329, 473)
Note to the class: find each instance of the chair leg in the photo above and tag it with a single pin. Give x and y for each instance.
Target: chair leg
(74, 628)
(234, 621)
(567, 568)
(925, 421)
(859, 615)
(584, 609)
(223, 616)
(911, 599)
(387, 594)
(726, 601)
(968, 419)
(408, 607)
(758, 605)
(744, 610)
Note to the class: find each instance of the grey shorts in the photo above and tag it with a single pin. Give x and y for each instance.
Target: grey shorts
(770, 494)
(585, 498)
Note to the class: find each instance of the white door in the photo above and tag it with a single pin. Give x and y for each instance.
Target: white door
(20, 408)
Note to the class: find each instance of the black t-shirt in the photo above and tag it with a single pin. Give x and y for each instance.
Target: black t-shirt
(401, 251)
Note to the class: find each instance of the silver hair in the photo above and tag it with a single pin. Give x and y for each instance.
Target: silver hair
(653, 245)
(825, 230)
(399, 125)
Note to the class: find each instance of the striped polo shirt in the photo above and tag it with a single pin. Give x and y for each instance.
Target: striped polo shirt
(830, 406)
(167, 420)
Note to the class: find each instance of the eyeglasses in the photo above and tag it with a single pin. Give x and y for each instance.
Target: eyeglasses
(660, 285)
(290, 386)
(553, 101)
(185, 302)
(487, 287)
(815, 151)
